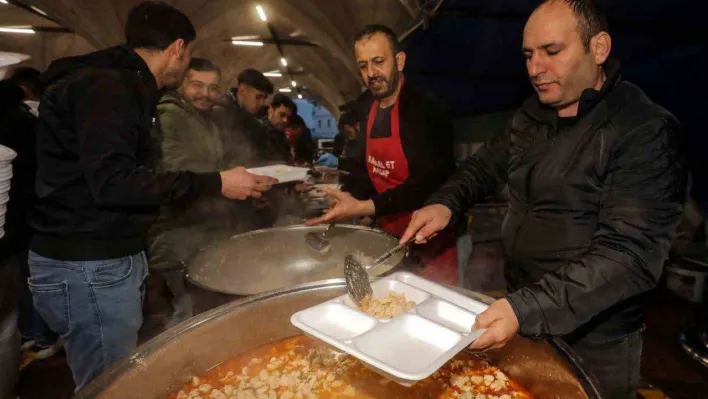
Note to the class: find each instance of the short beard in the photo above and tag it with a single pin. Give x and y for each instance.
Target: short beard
(393, 84)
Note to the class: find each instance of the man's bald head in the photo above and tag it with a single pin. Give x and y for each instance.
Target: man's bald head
(589, 18)
(565, 49)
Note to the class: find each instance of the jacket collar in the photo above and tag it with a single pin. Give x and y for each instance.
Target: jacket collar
(588, 99)
(146, 76)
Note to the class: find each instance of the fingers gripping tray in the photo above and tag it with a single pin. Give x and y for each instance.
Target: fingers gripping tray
(408, 347)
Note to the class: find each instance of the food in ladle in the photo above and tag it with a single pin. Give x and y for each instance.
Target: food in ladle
(392, 305)
(302, 368)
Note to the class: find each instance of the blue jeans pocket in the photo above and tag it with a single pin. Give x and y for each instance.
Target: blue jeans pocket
(52, 303)
(111, 272)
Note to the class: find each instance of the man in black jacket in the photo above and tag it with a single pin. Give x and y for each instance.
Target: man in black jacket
(407, 151)
(98, 190)
(272, 143)
(596, 191)
(241, 127)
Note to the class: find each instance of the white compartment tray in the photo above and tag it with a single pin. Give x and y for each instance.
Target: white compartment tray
(284, 173)
(407, 348)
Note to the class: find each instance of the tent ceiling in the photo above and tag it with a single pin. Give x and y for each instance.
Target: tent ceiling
(328, 70)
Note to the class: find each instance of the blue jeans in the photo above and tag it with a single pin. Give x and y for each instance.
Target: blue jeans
(32, 326)
(95, 306)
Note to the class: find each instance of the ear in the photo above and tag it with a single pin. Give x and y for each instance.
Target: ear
(178, 48)
(400, 61)
(600, 47)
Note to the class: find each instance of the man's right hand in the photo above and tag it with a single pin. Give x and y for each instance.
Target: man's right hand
(238, 184)
(426, 222)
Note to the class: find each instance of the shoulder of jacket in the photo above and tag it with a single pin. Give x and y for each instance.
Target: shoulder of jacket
(632, 110)
(520, 120)
(169, 103)
(102, 77)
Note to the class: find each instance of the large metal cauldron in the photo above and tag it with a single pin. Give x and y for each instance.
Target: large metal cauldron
(270, 259)
(162, 365)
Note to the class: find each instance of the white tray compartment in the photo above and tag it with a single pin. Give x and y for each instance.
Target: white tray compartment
(408, 343)
(337, 321)
(441, 292)
(447, 314)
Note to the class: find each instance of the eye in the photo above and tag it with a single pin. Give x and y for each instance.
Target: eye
(553, 52)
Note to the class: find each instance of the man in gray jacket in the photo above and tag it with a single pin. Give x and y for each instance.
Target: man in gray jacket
(190, 140)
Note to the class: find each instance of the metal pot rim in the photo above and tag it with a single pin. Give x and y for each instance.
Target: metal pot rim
(151, 346)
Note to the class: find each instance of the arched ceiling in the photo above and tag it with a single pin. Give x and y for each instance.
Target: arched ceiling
(327, 72)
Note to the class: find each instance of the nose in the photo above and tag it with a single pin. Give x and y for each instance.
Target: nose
(370, 72)
(535, 66)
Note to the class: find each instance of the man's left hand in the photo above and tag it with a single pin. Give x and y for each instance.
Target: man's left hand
(343, 207)
(501, 324)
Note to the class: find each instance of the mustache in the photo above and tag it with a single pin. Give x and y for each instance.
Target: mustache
(376, 79)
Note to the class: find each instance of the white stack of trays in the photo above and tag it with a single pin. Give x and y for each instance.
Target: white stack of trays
(407, 348)
(6, 157)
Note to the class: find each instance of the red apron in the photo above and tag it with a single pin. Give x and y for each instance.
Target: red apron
(388, 168)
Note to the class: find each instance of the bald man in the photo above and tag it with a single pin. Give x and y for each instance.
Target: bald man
(596, 191)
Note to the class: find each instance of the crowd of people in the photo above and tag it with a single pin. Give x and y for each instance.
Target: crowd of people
(136, 158)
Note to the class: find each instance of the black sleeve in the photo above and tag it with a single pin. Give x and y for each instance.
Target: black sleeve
(428, 146)
(107, 118)
(338, 145)
(305, 147)
(643, 201)
(477, 177)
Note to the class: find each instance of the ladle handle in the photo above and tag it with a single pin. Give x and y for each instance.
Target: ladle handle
(327, 230)
(389, 254)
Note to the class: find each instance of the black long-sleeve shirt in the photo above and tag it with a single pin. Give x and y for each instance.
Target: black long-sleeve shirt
(427, 141)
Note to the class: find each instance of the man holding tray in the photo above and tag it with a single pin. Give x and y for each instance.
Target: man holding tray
(596, 191)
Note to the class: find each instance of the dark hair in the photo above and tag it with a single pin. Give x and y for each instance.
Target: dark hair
(155, 26)
(589, 17)
(29, 78)
(370, 30)
(203, 65)
(297, 121)
(350, 118)
(281, 100)
(255, 79)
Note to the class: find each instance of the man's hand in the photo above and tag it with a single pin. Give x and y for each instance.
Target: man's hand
(501, 324)
(343, 207)
(237, 183)
(426, 222)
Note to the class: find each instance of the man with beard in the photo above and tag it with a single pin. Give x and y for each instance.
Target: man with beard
(596, 192)
(190, 140)
(407, 152)
(98, 190)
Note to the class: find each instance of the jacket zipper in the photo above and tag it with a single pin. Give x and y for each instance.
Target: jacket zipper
(527, 194)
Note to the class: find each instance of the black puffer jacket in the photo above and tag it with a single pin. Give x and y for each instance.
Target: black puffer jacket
(97, 185)
(592, 208)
